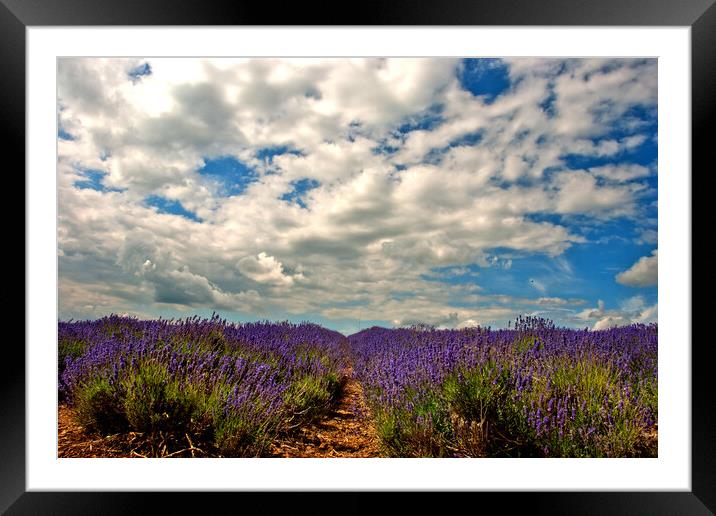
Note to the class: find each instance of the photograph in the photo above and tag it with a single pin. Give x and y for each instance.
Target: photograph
(357, 257)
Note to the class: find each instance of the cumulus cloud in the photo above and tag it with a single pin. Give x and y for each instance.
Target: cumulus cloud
(387, 205)
(621, 173)
(644, 273)
(266, 269)
(579, 192)
(633, 310)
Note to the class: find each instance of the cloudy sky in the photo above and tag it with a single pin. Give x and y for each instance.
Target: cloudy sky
(354, 192)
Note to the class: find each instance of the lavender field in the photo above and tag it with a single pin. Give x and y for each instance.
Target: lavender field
(472, 241)
(531, 391)
(231, 388)
(207, 387)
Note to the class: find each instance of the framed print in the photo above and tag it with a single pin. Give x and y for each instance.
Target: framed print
(414, 250)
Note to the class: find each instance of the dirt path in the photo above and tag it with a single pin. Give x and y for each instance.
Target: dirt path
(346, 431)
(73, 441)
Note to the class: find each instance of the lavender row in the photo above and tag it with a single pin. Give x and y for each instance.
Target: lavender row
(535, 390)
(232, 387)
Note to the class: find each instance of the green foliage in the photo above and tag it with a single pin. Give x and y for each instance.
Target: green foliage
(476, 394)
(488, 419)
(525, 343)
(245, 432)
(310, 396)
(646, 390)
(424, 431)
(589, 379)
(607, 422)
(99, 408)
(155, 402)
(388, 429)
(67, 348)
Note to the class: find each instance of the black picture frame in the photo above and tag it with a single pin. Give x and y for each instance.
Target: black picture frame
(16, 15)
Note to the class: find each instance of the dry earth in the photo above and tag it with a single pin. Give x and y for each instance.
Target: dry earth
(73, 441)
(346, 431)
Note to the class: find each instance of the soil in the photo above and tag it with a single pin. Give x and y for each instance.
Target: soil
(346, 431)
(74, 441)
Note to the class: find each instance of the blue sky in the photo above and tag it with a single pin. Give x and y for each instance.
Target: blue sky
(231, 175)
(486, 78)
(135, 74)
(453, 192)
(171, 207)
(300, 188)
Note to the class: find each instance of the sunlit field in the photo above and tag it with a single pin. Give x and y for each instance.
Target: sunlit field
(205, 387)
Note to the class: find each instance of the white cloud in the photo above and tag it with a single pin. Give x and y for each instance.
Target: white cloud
(368, 231)
(644, 273)
(647, 236)
(469, 323)
(266, 269)
(633, 310)
(620, 173)
(578, 192)
(515, 167)
(552, 301)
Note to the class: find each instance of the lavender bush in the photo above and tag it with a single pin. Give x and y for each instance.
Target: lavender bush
(535, 390)
(232, 387)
